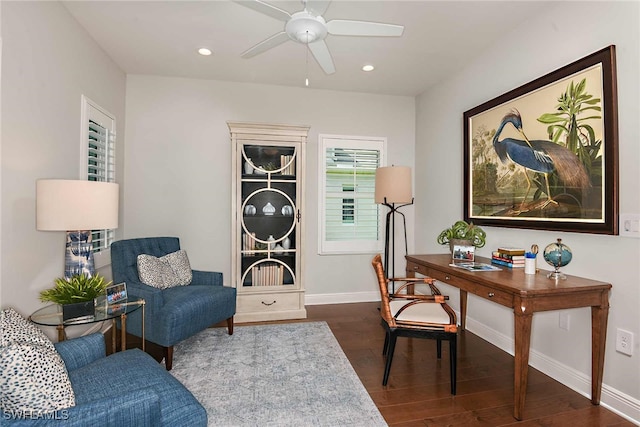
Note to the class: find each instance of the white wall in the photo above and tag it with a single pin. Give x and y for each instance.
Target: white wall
(48, 62)
(541, 45)
(178, 170)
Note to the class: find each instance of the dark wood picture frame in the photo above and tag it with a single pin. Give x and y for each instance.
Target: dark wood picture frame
(573, 108)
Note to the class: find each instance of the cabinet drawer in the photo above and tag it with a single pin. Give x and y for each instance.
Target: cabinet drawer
(497, 296)
(269, 302)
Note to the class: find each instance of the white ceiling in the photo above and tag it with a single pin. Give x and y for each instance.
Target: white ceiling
(161, 38)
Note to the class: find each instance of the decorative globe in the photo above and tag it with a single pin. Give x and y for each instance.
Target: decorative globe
(557, 255)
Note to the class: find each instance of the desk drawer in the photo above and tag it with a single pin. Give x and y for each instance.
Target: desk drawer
(497, 296)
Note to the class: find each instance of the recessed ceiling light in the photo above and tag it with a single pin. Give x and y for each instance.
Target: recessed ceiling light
(204, 51)
(368, 68)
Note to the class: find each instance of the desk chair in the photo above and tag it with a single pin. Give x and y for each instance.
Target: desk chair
(415, 316)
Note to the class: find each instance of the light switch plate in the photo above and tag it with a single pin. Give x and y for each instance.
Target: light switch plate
(630, 225)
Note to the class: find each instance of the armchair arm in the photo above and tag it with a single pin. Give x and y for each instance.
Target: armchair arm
(212, 278)
(81, 351)
(138, 407)
(154, 300)
(410, 281)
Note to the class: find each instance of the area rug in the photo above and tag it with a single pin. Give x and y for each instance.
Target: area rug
(291, 374)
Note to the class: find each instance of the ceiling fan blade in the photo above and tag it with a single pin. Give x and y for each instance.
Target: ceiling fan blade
(341, 27)
(273, 41)
(266, 9)
(317, 7)
(321, 53)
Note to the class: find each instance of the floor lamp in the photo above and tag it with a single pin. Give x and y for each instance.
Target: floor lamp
(77, 207)
(393, 189)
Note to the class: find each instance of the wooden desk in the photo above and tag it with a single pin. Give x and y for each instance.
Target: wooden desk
(526, 294)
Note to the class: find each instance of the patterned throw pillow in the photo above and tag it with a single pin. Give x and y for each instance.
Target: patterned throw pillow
(33, 377)
(15, 329)
(33, 380)
(165, 272)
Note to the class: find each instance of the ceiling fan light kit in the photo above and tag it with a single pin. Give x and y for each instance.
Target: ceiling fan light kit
(306, 28)
(310, 28)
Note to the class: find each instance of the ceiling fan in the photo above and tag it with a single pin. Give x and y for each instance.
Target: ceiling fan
(309, 27)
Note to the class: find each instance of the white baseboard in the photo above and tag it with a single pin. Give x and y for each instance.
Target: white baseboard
(612, 399)
(320, 299)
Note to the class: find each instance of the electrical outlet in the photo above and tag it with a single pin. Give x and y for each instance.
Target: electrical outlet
(563, 320)
(624, 342)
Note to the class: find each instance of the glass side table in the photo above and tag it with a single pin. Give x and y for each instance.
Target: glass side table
(51, 315)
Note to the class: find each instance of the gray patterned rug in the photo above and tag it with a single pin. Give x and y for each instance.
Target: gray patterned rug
(291, 374)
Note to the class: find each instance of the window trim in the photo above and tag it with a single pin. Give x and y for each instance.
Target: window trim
(101, 255)
(346, 141)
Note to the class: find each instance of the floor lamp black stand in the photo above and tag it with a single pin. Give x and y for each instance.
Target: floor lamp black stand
(390, 234)
(393, 190)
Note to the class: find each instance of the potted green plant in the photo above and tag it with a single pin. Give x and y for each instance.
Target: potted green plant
(76, 295)
(463, 233)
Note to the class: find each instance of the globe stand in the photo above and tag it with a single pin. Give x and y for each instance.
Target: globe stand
(557, 275)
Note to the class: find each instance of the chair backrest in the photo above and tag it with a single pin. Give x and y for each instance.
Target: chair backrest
(124, 255)
(385, 298)
(385, 310)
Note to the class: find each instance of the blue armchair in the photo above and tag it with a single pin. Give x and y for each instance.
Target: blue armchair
(175, 313)
(125, 389)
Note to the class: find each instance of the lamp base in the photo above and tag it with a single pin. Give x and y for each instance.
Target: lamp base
(79, 254)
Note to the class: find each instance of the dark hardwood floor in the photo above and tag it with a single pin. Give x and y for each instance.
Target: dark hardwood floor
(418, 392)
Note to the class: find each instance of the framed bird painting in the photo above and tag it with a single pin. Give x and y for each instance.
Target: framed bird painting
(545, 155)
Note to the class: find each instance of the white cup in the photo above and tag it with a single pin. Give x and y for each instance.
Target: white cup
(529, 266)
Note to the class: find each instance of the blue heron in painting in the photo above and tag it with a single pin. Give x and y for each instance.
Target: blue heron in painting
(540, 156)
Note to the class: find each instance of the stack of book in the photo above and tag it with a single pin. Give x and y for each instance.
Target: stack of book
(508, 257)
(291, 168)
(267, 275)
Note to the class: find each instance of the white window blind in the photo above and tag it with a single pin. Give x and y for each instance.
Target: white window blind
(350, 220)
(98, 140)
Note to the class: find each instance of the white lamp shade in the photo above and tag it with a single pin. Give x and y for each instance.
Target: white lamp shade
(394, 184)
(70, 205)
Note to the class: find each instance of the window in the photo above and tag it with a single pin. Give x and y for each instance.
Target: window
(97, 159)
(349, 218)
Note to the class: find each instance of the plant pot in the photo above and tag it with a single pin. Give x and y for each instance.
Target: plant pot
(79, 309)
(459, 242)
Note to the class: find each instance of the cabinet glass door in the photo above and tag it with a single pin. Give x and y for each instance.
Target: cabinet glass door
(269, 215)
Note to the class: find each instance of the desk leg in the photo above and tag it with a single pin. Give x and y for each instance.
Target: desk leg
(463, 309)
(599, 316)
(522, 318)
(123, 332)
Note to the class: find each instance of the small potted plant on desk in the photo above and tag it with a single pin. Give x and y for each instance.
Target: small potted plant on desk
(462, 233)
(76, 295)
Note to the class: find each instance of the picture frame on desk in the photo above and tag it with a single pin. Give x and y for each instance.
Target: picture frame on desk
(545, 155)
(463, 253)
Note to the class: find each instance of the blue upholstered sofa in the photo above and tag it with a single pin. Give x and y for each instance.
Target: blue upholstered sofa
(176, 313)
(124, 389)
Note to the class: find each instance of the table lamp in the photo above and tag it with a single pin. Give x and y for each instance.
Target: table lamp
(77, 207)
(393, 189)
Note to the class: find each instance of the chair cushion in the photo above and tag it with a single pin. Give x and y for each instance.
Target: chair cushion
(165, 272)
(423, 312)
(33, 376)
